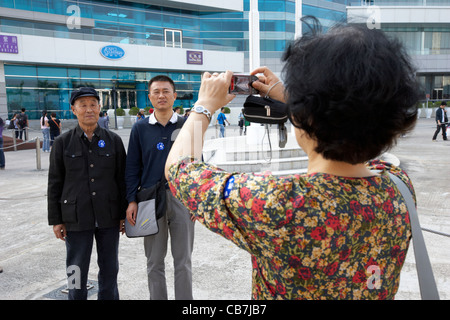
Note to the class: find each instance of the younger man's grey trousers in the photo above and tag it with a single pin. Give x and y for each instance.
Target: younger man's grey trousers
(177, 222)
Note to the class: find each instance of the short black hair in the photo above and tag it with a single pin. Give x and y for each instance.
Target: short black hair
(161, 78)
(351, 89)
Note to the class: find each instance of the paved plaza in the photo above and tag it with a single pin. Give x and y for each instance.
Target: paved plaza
(33, 260)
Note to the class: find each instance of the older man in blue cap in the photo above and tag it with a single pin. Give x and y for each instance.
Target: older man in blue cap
(86, 196)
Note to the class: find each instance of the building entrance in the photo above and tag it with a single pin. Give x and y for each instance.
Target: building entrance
(437, 93)
(125, 99)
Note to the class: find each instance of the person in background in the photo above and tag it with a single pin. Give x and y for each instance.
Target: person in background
(13, 125)
(22, 124)
(86, 196)
(441, 121)
(55, 128)
(103, 120)
(140, 115)
(45, 127)
(241, 122)
(221, 119)
(2, 153)
(11, 122)
(351, 92)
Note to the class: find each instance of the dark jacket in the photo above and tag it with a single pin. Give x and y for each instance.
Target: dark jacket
(439, 115)
(86, 181)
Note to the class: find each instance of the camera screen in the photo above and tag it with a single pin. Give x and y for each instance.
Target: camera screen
(242, 84)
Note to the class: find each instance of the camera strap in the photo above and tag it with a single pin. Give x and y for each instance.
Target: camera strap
(427, 283)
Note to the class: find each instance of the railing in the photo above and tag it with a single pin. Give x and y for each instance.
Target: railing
(37, 145)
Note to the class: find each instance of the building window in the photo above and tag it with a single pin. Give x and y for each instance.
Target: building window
(173, 38)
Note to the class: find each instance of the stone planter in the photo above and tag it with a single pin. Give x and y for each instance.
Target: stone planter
(120, 121)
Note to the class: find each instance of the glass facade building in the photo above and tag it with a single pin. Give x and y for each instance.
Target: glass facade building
(39, 83)
(423, 26)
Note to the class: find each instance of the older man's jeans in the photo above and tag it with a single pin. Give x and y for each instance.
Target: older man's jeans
(79, 249)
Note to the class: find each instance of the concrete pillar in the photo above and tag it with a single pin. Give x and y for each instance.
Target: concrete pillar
(253, 34)
(3, 104)
(298, 16)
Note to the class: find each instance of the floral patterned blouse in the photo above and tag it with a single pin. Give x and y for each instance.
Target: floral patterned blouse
(310, 236)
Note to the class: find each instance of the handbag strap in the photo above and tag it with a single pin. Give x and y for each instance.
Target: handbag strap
(427, 284)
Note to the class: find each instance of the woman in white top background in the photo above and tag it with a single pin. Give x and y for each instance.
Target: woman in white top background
(45, 132)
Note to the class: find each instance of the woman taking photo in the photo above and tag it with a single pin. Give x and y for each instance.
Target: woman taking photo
(329, 233)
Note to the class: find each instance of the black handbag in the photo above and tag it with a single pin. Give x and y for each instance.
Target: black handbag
(265, 110)
(157, 192)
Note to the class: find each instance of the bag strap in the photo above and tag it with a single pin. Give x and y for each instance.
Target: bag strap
(59, 126)
(427, 284)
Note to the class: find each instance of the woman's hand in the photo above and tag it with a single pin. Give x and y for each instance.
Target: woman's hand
(213, 93)
(268, 81)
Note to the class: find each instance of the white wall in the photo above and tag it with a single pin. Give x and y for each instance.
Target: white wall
(399, 14)
(232, 5)
(432, 63)
(47, 50)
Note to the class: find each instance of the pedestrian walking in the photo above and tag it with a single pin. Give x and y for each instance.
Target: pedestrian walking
(441, 121)
(221, 119)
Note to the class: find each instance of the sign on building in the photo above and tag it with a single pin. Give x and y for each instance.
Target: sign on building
(8, 44)
(194, 57)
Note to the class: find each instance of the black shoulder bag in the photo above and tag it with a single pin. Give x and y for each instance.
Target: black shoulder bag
(267, 111)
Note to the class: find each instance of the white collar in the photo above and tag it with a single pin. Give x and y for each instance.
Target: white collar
(152, 119)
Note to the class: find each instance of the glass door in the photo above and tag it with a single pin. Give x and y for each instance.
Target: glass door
(131, 99)
(437, 93)
(127, 99)
(105, 99)
(123, 99)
